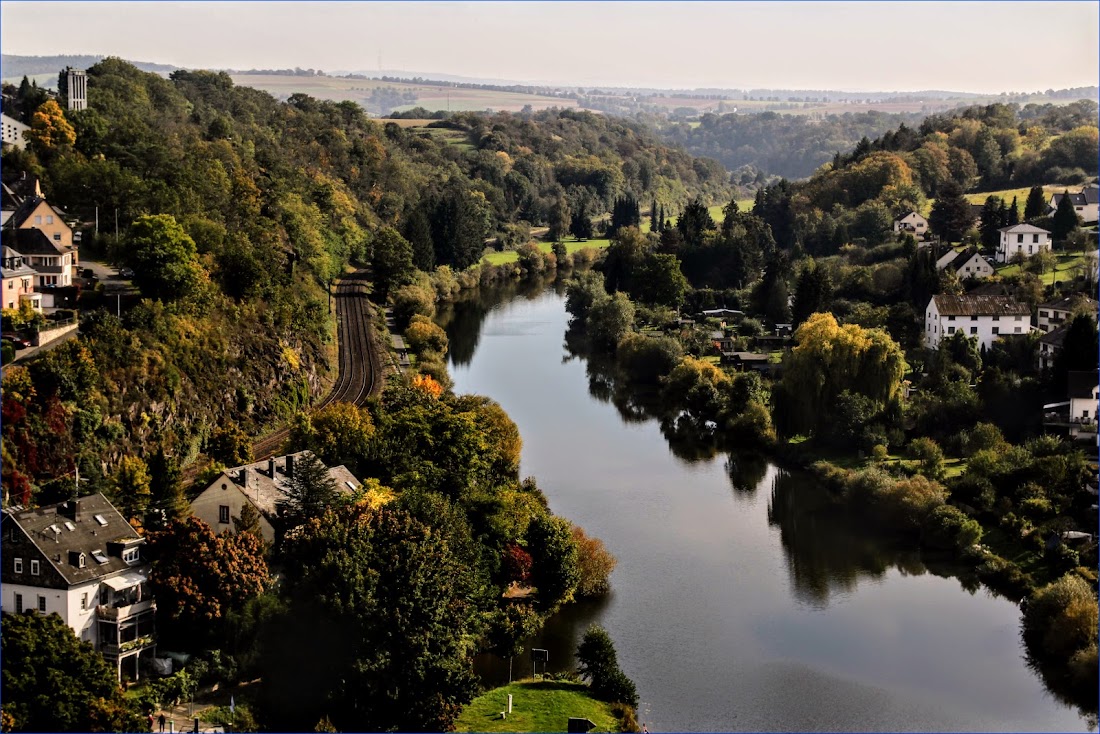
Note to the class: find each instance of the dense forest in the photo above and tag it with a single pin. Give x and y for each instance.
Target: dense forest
(237, 211)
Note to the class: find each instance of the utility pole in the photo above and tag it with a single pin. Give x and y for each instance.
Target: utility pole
(116, 225)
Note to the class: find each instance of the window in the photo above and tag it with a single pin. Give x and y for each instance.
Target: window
(1035, 238)
(82, 560)
(996, 318)
(1017, 329)
(19, 565)
(35, 567)
(38, 219)
(973, 329)
(1029, 249)
(1019, 238)
(950, 329)
(42, 604)
(223, 514)
(1019, 318)
(49, 219)
(130, 556)
(84, 601)
(1084, 414)
(973, 318)
(57, 238)
(18, 603)
(100, 519)
(11, 285)
(950, 318)
(996, 330)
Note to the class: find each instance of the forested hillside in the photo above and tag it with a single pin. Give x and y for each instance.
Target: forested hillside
(793, 146)
(236, 212)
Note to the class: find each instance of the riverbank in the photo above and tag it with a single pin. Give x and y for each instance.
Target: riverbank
(537, 706)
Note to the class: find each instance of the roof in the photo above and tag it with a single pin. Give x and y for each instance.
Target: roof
(1024, 229)
(31, 241)
(907, 215)
(963, 258)
(265, 490)
(85, 525)
(14, 272)
(1081, 384)
(1065, 304)
(1091, 194)
(746, 356)
(990, 289)
(980, 306)
(1077, 199)
(1054, 338)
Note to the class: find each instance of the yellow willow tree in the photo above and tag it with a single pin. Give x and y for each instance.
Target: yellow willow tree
(49, 128)
(831, 359)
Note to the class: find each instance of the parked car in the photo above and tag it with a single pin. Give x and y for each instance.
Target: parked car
(125, 273)
(88, 273)
(17, 341)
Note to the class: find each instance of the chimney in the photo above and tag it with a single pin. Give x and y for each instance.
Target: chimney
(69, 510)
(289, 466)
(244, 476)
(271, 467)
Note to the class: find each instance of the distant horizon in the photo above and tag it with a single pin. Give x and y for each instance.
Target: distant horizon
(851, 47)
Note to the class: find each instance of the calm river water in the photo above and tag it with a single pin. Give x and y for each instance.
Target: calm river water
(735, 607)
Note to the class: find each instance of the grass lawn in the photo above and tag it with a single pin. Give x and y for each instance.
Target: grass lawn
(536, 706)
(1063, 269)
(510, 256)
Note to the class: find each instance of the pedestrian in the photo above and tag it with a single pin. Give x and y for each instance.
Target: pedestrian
(150, 721)
(645, 729)
(160, 720)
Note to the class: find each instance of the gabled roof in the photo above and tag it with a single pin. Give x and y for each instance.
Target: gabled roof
(906, 216)
(1069, 302)
(980, 306)
(1091, 194)
(990, 289)
(85, 525)
(1077, 199)
(256, 482)
(963, 258)
(21, 269)
(1023, 228)
(1081, 384)
(31, 241)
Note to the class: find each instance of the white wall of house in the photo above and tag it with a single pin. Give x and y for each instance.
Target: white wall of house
(1028, 243)
(1084, 408)
(911, 222)
(81, 617)
(986, 328)
(65, 604)
(13, 132)
(223, 493)
(1051, 318)
(976, 267)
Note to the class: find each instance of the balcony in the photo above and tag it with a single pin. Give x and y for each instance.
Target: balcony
(112, 650)
(115, 613)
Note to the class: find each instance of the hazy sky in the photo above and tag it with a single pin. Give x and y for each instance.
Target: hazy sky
(903, 46)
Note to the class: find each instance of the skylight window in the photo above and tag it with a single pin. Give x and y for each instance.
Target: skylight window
(350, 485)
(99, 556)
(101, 520)
(56, 530)
(69, 525)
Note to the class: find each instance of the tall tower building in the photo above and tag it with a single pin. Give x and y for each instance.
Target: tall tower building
(78, 90)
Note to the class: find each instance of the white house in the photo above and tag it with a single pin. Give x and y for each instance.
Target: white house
(1086, 203)
(966, 264)
(1084, 392)
(1050, 344)
(987, 318)
(53, 263)
(260, 484)
(912, 222)
(1056, 313)
(82, 561)
(13, 132)
(1023, 238)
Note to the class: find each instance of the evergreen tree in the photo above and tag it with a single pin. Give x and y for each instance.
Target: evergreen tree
(950, 217)
(1013, 213)
(418, 232)
(581, 226)
(1036, 205)
(1065, 218)
(654, 222)
(812, 293)
(694, 223)
(560, 219)
(992, 219)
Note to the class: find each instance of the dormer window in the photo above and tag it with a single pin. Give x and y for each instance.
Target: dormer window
(81, 561)
(131, 556)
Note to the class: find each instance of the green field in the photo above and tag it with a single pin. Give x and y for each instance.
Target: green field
(509, 256)
(1063, 269)
(536, 706)
(429, 96)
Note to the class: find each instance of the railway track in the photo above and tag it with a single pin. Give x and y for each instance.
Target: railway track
(359, 374)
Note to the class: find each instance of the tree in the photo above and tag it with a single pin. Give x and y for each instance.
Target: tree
(165, 487)
(230, 445)
(164, 258)
(950, 216)
(600, 663)
(391, 261)
(379, 628)
(308, 493)
(418, 231)
(560, 219)
(695, 222)
(130, 486)
(930, 456)
(580, 226)
(49, 129)
(1013, 212)
(609, 320)
(1036, 205)
(338, 433)
(594, 563)
(812, 293)
(659, 281)
(1079, 348)
(993, 217)
(830, 359)
(1065, 219)
(554, 569)
(53, 681)
(248, 521)
(199, 577)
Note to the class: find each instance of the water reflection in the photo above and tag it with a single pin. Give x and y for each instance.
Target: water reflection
(463, 318)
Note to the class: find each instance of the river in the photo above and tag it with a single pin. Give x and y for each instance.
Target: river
(735, 605)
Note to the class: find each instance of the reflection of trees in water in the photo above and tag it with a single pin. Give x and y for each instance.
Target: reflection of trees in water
(826, 552)
(463, 318)
(746, 471)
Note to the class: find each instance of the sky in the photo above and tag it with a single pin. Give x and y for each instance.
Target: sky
(986, 47)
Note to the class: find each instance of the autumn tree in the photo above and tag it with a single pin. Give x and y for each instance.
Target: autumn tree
(831, 359)
(54, 681)
(338, 433)
(49, 129)
(230, 445)
(594, 563)
(130, 486)
(199, 577)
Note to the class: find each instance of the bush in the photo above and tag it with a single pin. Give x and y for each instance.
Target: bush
(1004, 577)
(616, 687)
(648, 359)
(411, 300)
(950, 528)
(930, 456)
(595, 564)
(423, 335)
(1060, 619)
